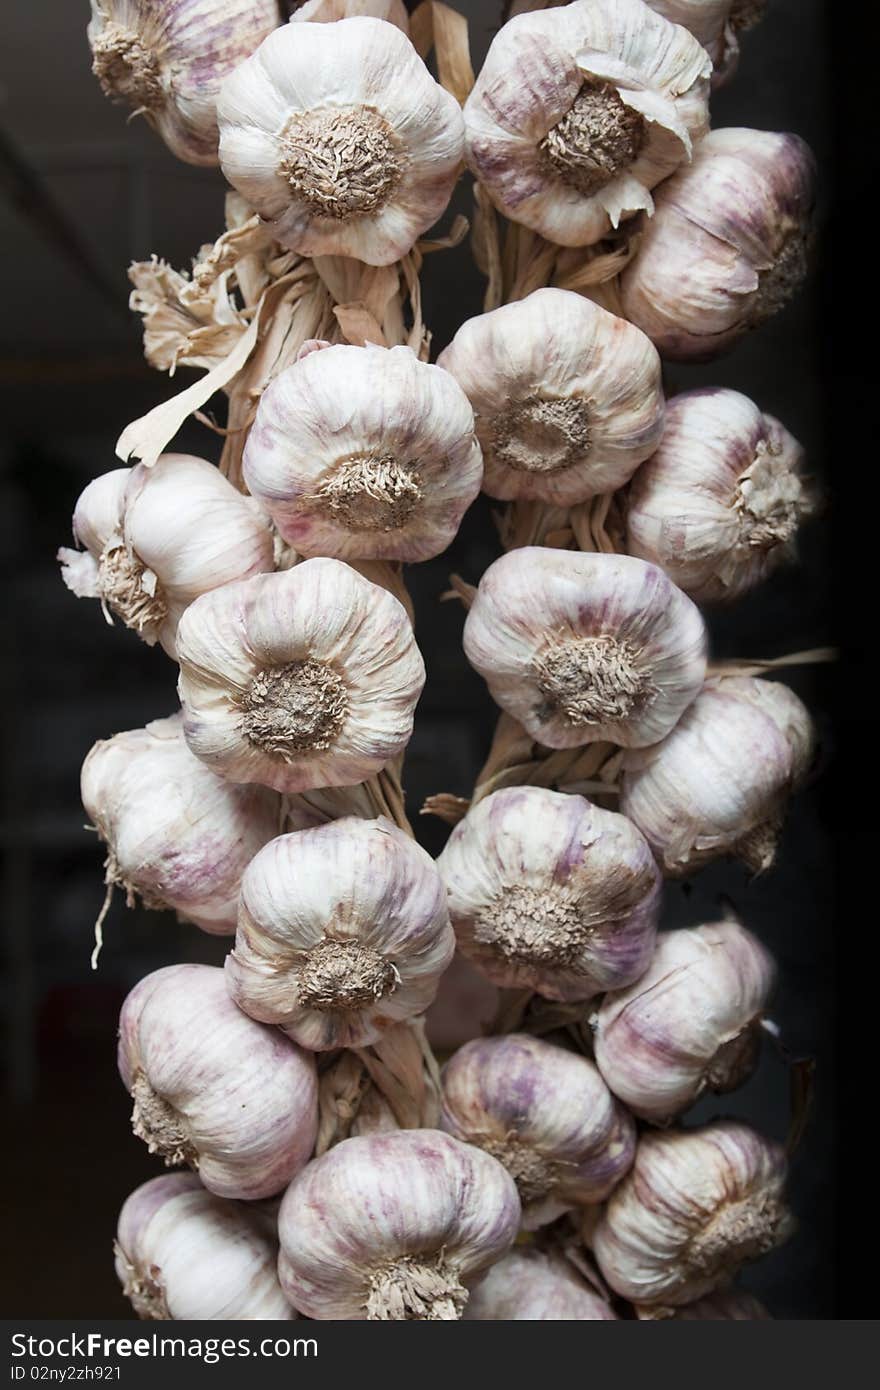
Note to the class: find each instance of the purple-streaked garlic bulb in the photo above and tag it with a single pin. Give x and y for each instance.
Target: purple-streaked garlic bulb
(720, 782)
(394, 1227)
(546, 1114)
(690, 1024)
(568, 397)
(551, 893)
(531, 1285)
(717, 25)
(724, 1305)
(727, 246)
(586, 647)
(235, 1100)
(183, 1254)
(343, 931)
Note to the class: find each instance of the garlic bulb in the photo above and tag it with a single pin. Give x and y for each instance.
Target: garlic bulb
(536, 1286)
(364, 453)
(578, 112)
(727, 246)
(568, 397)
(156, 538)
(720, 502)
(715, 24)
(550, 893)
(691, 1023)
(306, 678)
(167, 61)
(583, 647)
(722, 1306)
(341, 139)
(177, 835)
(546, 1114)
(394, 1227)
(696, 1205)
(719, 783)
(182, 1254)
(343, 931)
(235, 1100)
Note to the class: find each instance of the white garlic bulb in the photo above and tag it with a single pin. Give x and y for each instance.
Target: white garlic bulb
(568, 398)
(723, 1305)
(234, 1099)
(548, 892)
(340, 138)
(364, 453)
(182, 1253)
(690, 1024)
(719, 504)
(578, 112)
(546, 1114)
(394, 1227)
(156, 538)
(167, 61)
(728, 244)
(586, 647)
(719, 783)
(343, 931)
(696, 1206)
(305, 678)
(536, 1286)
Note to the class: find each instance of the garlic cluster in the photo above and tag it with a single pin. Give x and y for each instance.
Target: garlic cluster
(579, 112)
(394, 1227)
(690, 1024)
(546, 1114)
(305, 678)
(568, 397)
(343, 931)
(696, 1206)
(719, 504)
(548, 892)
(182, 1253)
(235, 1100)
(154, 539)
(167, 61)
(364, 453)
(728, 244)
(535, 1286)
(719, 783)
(340, 138)
(585, 647)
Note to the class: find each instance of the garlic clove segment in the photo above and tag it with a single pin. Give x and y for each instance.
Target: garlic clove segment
(394, 1227)
(535, 1286)
(364, 453)
(548, 892)
(235, 1100)
(568, 397)
(301, 679)
(340, 138)
(546, 1114)
(182, 1253)
(585, 647)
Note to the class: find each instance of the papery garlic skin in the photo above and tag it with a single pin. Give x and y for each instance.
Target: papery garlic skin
(728, 245)
(546, 1114)
(157, 538)
(182, 1253)
(578, 112)
(394, 1227)
(167, 58)
(306, 678)
(725, 1305)
(568, 397)
(719, 504)
(696, 1206)
(715, 24)
(234, 1099)
(535, 1286)
(343, 931)
(341, 139)
(364, 453)
(329, 11)
(719, 783)
(548, 892)
(690, 1024)
(585, 647)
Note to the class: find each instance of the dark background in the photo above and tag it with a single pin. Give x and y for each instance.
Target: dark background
(72, 375)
